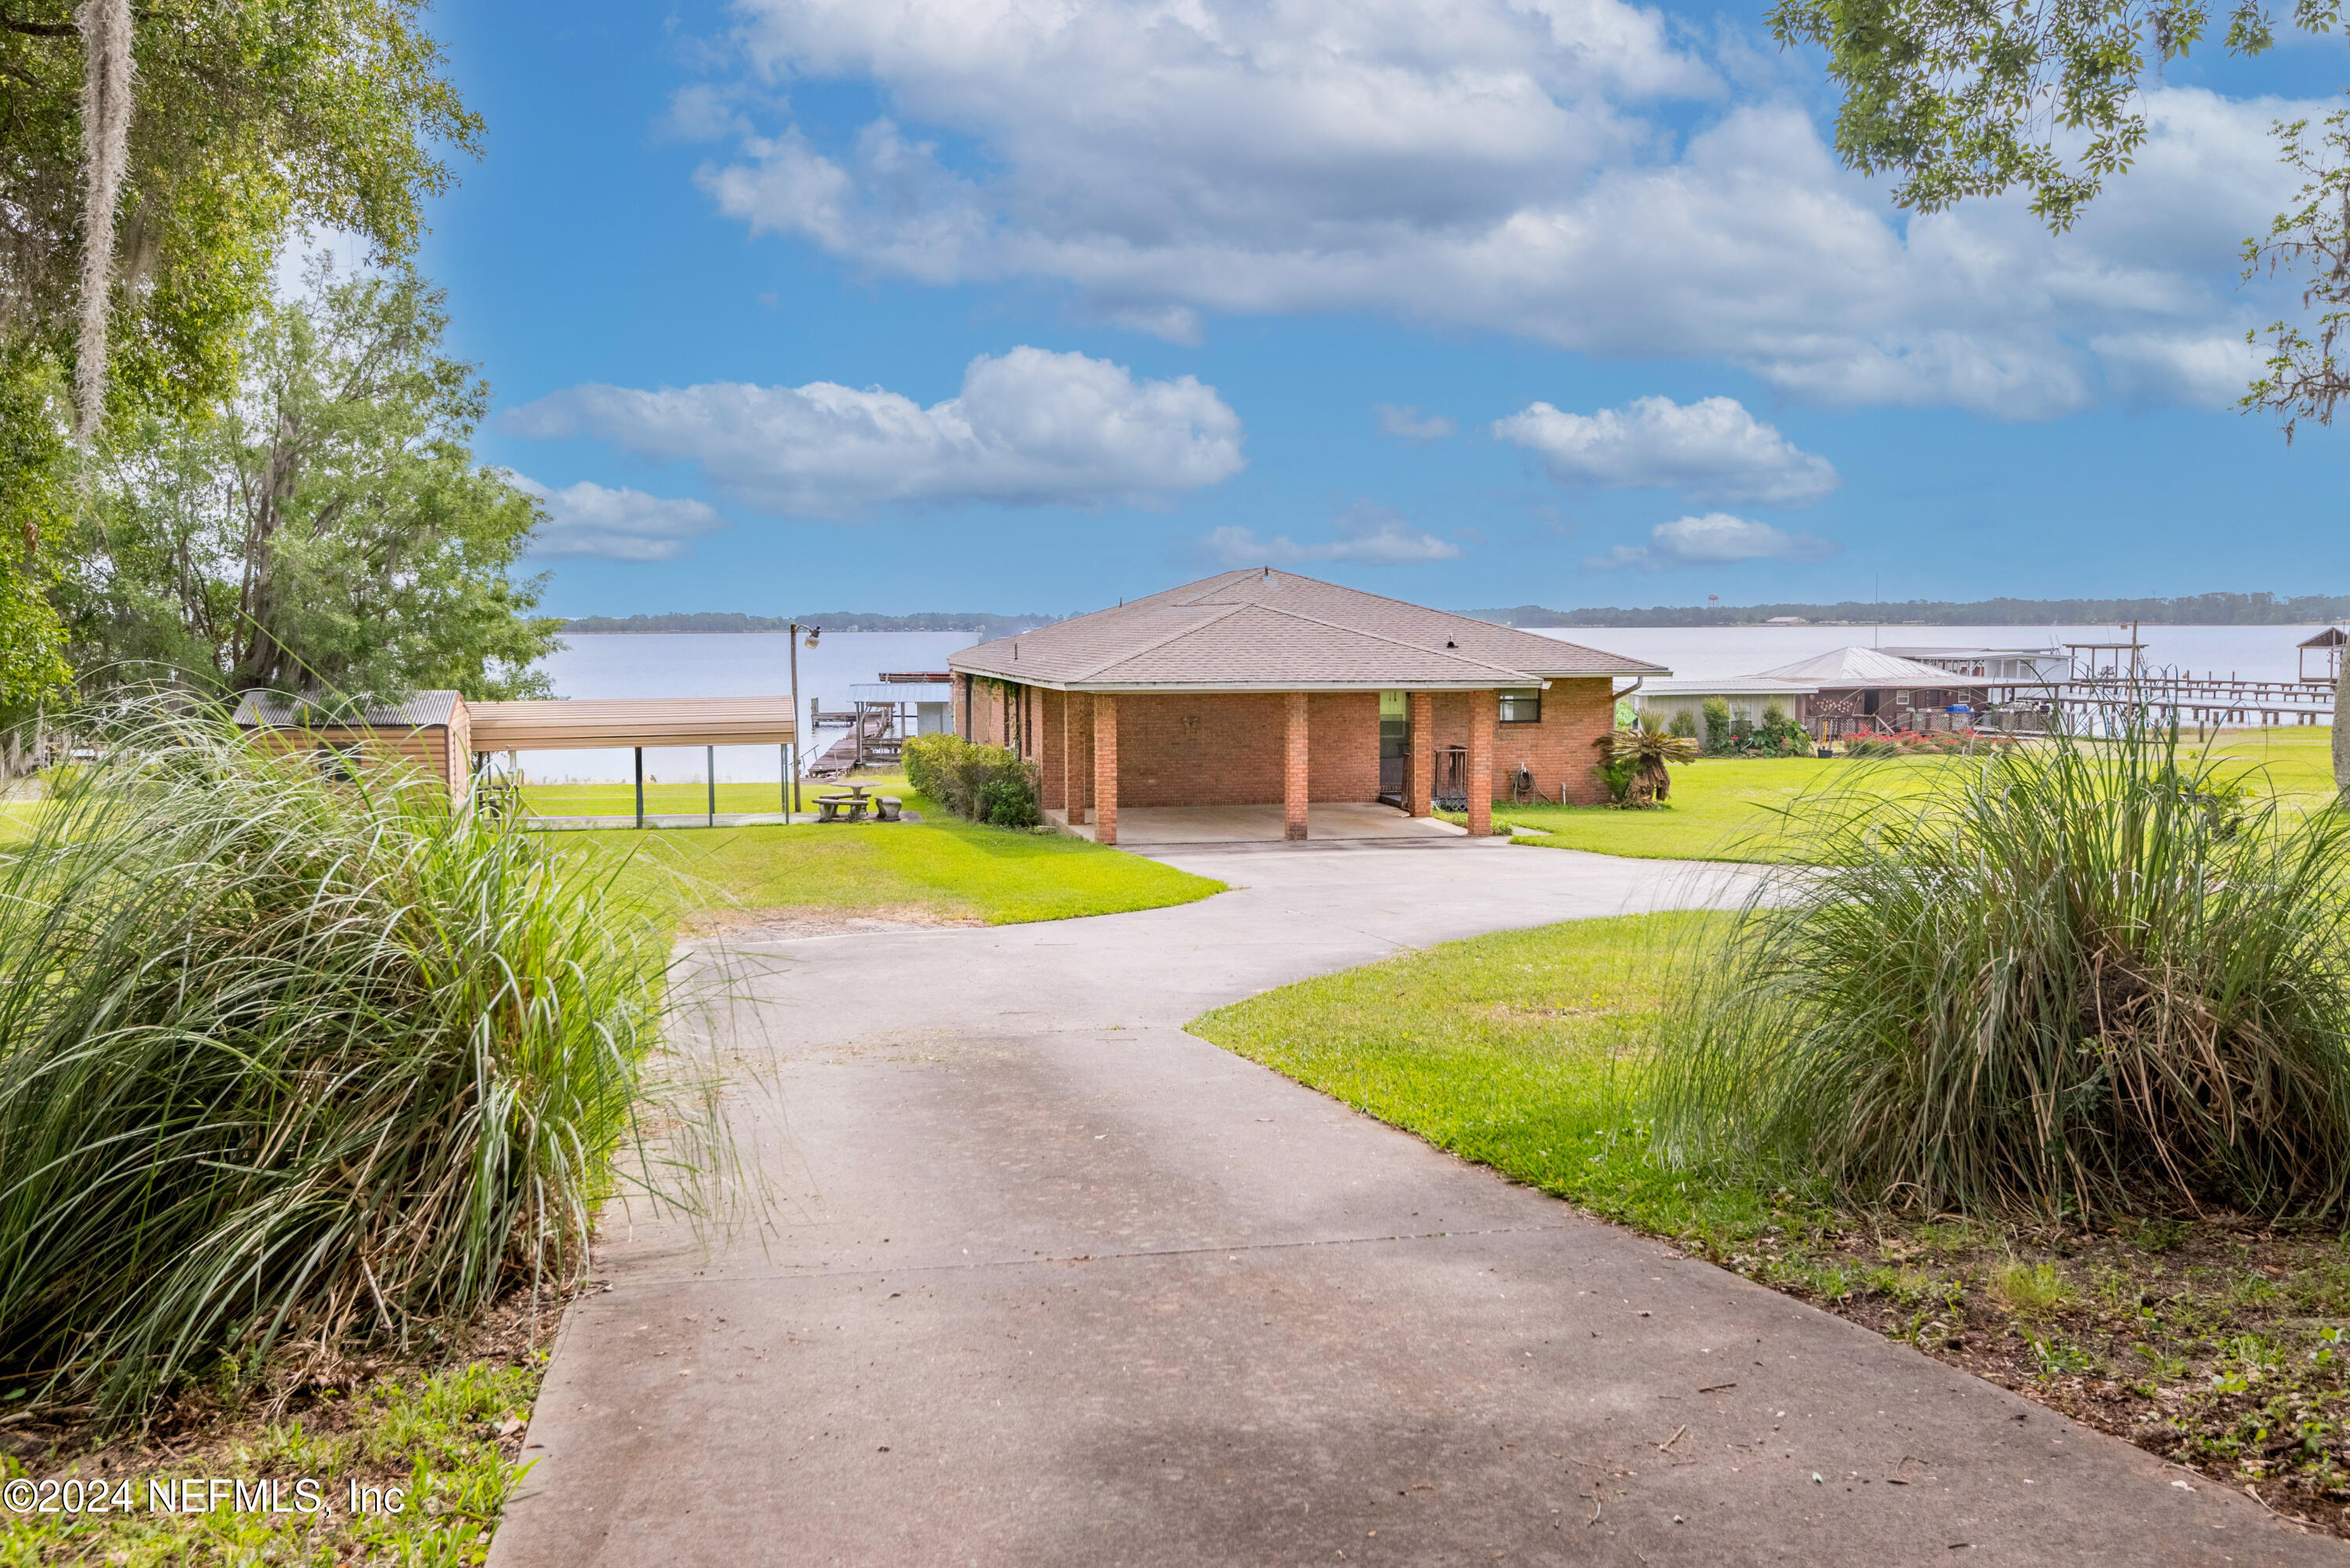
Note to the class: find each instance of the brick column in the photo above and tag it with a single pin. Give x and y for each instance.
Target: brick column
(1483, 707)
(1419, 753)
(1105, 768)
(1294, 771)
(1077, 752)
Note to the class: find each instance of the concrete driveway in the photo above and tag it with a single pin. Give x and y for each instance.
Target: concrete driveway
(1050, 1281)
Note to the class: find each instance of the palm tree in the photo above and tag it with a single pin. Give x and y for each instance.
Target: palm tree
(1647, 749)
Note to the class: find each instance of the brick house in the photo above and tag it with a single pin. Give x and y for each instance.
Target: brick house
(1263, 688)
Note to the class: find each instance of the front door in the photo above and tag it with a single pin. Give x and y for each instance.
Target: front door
(1394, 745)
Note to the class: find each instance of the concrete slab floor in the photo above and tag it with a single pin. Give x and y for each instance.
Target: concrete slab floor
(1156, 826)
(1047, 1281)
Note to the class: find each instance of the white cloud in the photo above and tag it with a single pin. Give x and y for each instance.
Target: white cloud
(1714, 539)
(1030, 428)
(1375, 534)
(1713, 451)
(588, 519)
(1477, 165)
(1404, 424)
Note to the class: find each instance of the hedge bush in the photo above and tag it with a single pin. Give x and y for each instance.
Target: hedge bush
(977, 783)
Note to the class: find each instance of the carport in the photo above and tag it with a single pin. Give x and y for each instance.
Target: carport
(439, 729)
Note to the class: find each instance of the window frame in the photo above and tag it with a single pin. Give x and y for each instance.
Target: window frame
(1507, 700)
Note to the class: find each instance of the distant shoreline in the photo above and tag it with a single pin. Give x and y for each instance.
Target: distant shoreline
(2196, 610)
(2193, 609)
(979, 622)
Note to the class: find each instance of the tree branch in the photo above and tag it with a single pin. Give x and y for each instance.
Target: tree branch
(39, 30)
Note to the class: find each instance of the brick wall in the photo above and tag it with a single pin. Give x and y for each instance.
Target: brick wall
(1344, 731)
(1559, 750)
(1228, 748)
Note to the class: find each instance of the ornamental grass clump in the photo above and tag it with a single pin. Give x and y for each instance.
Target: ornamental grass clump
(286, 1062)
(2071, 979)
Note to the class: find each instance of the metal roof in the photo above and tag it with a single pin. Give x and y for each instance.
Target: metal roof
(1858, 667)
(901, 692)
(1263, 630)
(1735, 686)
(586, 724)
(282, 711)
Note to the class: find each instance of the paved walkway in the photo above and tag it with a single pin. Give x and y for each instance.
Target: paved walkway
(1151, 829)
(1051, 1282)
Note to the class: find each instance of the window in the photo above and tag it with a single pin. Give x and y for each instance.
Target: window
(338, 761)
(1901, 699)
(1522, 705)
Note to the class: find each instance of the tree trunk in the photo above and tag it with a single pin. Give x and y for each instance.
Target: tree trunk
(105, 27)
(2342, 729)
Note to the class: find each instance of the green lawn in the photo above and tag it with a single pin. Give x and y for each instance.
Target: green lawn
(671, 799)
(1721, 808)
(447, 1442)
(1508, 1050)
(939, 867)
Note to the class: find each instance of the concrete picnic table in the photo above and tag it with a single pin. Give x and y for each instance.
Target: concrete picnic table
(855, 797)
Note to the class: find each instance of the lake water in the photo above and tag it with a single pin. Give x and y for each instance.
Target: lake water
(1707, 653)
(722, 664)
(756, 664)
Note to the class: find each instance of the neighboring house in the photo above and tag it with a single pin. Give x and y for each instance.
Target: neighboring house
(1265, 687)
(1662, 701)
(1869, 689)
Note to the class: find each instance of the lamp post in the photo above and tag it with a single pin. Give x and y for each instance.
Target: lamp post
(792, 632)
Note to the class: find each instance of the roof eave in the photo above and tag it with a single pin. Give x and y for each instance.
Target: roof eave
(1483, 683)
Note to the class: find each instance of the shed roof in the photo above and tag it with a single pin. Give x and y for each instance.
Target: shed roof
(2332, 637)
(284, 710)
(1265, 631)
(1845, 668)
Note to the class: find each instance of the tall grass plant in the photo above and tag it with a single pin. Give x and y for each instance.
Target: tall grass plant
(2068, 979)
(284, 1060)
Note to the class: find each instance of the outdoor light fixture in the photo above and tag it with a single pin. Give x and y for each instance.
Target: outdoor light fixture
(792, 797)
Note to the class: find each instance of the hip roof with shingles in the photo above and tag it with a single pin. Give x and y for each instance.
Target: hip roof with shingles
(1279, 631)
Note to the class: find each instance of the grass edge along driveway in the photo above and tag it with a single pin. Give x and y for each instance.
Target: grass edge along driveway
(2214, 1343)
(939, 868)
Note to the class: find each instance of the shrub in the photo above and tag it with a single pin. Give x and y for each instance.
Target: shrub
(282, 1060)
(2056, 983)
(1718, 738)
(1008, 800)
(977, 783)
(1684, 725)
(1632, 764)
(1616, 774)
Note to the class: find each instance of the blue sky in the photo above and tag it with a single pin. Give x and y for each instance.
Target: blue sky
(904, 305)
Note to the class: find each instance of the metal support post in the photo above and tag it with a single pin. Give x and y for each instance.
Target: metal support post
(640, 786)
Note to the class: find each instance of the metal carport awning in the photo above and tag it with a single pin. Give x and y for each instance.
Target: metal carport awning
(641, 722)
